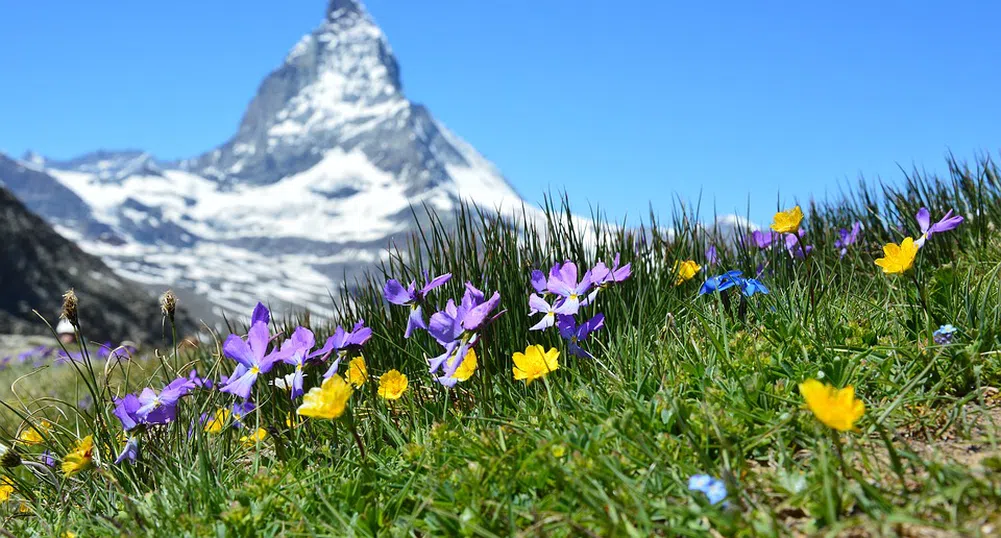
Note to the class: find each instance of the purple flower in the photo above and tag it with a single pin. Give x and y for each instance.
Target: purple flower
(414, 298)
(538, 305)
(343, 342)
(293, 352)
(241, 410)
(47, 459)
(260, 314)
(943, 335)
(947, 223)
(575, 334)
(125, 410)
(538, 281)
(157, 408)
(601, 275)
(455, 328)
(712, 258)
(563, 282)
(763, 239)
(252, 357)
(795, 246)
(130, 452)
(721, 282)
(848, 238)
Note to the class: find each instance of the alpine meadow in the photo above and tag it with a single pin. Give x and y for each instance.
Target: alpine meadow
(833, 374)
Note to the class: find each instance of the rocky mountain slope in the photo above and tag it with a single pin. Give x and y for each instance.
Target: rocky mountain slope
(321, 174)
(39, 265)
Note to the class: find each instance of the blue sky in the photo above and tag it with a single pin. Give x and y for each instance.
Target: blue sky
(622, 104)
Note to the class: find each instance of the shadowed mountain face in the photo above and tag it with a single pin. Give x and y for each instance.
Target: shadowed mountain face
(39, 265)
(320, 176)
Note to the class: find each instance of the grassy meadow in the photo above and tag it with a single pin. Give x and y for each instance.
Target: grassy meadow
(679, 384)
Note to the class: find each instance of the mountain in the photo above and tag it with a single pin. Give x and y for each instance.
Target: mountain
(39, 265)
(320, 176)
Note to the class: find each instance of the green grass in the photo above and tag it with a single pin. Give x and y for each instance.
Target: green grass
(681, 385)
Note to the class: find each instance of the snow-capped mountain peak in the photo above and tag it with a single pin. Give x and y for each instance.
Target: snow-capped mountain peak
(322, 172)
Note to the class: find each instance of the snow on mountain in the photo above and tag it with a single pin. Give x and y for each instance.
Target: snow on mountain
(319, 177)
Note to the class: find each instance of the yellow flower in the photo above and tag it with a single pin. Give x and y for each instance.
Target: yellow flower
(787, 222)
(218, 422)
(32, 435)
(251, 440)
(69, 534)
(6, 488)
(898, 258)
(467, 368)
(558, 451)
(81, 457)
(685, 270)
(534, 363)
(326, 401)
(357, 372)
(392, 385)
(837, 408)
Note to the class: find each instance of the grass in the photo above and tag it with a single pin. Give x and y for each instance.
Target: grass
(681, 384)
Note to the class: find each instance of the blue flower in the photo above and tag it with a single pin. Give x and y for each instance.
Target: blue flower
(713, 488)
(130, 452)
(722, 282)
(943, 335)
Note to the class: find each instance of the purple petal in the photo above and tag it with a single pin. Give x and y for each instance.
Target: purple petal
(415, 321)
(546, 322)
(947, 223)
(397, 294)
(297, 383)
(538, 281)
(435, 282)
(333, 367)
(569, 306)
(261, 314)
(538, 304)
(238, 350)
(475, 317)
(241, 386)
(924, 219)
(591, 325)
(322, 353)
(258, 338)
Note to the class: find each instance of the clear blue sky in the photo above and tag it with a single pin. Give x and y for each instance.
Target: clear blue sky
(621, 103)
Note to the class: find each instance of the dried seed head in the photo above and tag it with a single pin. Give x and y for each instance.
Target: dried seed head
(70, 312)
(168, 304)
(9, 457)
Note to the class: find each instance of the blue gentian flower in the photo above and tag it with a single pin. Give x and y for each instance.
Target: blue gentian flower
(722, 282)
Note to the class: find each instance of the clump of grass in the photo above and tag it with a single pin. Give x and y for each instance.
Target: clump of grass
(680, 385)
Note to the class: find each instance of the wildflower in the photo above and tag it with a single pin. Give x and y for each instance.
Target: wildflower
(575, 334)
(761, 239)
(199, 382)
(81, 457)
(160, 408)
(928, 229)
(836, 408)
(6, 488)
(392, 385)
(713, 488)
(943, 335)
(357, 372)
(721, 282)
(538, 305)
(414, 298)
(685, 271)
(252, 357)
(467, 368)
(898, 258)
(712, 258)
(35, 434)
(534, 363)
(293, 352)
(848, 238)
(239, 411)
(563, 282)
(326, 401)
(794, 245)
(750, 286)
(130, 452)
(344, 342)
(602, 275)
(218, 421)
(558, 451)
(538, 281)
(260, 314)
(456, 328)
(787, 221)
(249, 441)
(126, 409)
